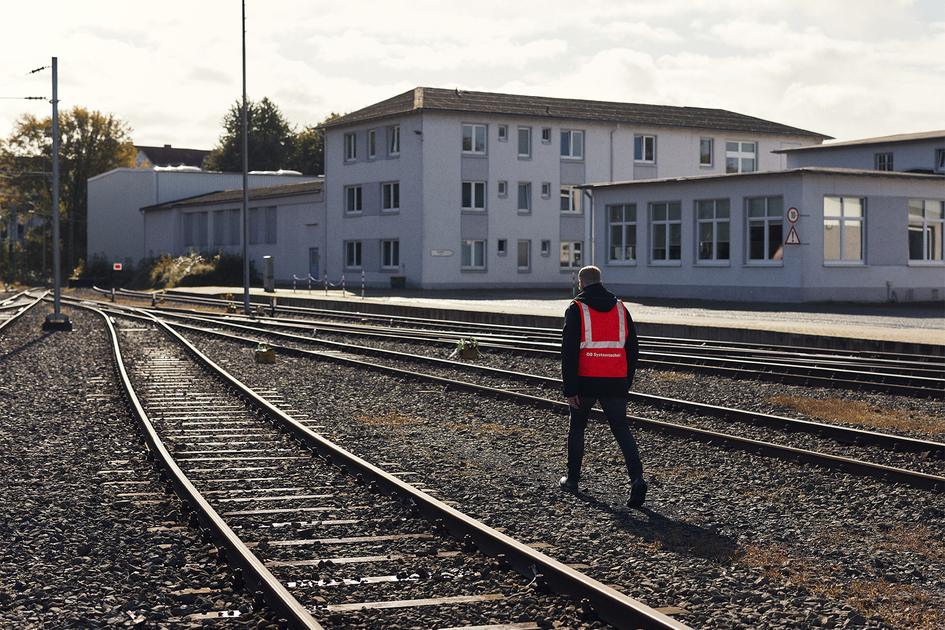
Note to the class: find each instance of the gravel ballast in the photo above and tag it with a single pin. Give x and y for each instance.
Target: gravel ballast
(736, 540)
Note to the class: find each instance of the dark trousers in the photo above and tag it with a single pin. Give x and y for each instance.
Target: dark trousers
(615, 409)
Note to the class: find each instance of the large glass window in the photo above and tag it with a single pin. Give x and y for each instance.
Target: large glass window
(622, 231)
(765, 228)
(926, 222)
(390, 196)
(712, 223)
(371, 144)
(474, 196)
(352, 199)
(705, 151)
(474, 138)
(524, 255)
(271, 225)
(570, 199)
(353, 254)
(393, 140)
(571, 255)
(524, 141)
(474, 255)
(572, 144)
(844, 223)
(524, 197)
(644, 148)
(666, 227)
(351, 147)
(740, 157)
(390, 254)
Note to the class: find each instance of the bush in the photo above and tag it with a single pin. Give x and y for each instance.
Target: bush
(164, 272)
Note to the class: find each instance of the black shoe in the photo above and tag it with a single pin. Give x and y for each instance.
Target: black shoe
(566, 484)
(637, 493)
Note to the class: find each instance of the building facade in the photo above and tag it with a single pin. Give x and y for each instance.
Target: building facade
(467, 189)
(116, 229)
(908, 153)
(286, 223)
(796, 235)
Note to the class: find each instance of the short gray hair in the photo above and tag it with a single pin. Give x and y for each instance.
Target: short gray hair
(589, 275)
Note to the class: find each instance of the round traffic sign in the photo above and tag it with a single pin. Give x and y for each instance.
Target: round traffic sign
(793, 215)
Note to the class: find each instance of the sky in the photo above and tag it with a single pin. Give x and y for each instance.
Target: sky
(849, 69)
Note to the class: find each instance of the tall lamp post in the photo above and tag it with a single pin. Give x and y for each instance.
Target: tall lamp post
(56, 320)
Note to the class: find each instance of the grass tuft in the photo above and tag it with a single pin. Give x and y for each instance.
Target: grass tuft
(861, 413)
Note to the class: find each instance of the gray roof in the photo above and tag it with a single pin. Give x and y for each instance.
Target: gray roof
(899, 138)
(816, 170)
(236, 195)
(566, 109)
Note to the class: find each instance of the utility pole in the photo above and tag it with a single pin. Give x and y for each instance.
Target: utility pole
(56, 320)
(246, 309)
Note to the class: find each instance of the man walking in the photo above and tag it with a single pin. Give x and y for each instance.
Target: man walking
(599, 352)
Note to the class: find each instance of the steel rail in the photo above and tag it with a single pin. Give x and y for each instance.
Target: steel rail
(787, 453)
(23, 309)
(237, 553)
(608, 604)
(838, 433)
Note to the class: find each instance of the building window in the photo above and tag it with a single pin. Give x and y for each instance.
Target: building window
(351, 147)
(235, 220)
(622, 232)
(352, 199)
(474, 255)
(644, 148)
(524, 197)
(390, 254)
(353, 254)
(190, 229)
(570, 199)
(524, 142)
(844, 223)
(666, 227)
(712, 225)
(939, 160)
(474, 139)
(524, 255)
(390, 197)
(503, 189)
(474, 195)
(739, 157)
(926, 223)
(546, 190)
(884, 161)
(393, 140)
(765, 228)
(546, 248)
(502, 246)
(371, 144)
(271, 225)
(219, 227)
(571, 255)
(546, 135)
(705, 151)
(572, 144)
(503, 133)
(254, 226)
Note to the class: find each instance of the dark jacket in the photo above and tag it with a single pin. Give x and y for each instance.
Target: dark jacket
(602, 300)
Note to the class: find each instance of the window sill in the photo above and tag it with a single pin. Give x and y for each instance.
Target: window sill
(524, 213)
(845, 264)
(713, 263)
(764, 263)
(354, 214)
(664, 263)
(473, 210)
(471, 154)
(472, 270)
(927, 263)
(621, 263)
(524, 270)
(390, 212)
(568, 158)
(524, 158)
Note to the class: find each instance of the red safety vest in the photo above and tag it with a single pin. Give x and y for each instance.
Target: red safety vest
(603, 337)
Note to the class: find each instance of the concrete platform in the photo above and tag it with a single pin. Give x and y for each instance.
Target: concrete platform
(905, 328)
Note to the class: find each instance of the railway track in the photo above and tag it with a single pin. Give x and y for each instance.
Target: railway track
(350, 531)
(911, 375)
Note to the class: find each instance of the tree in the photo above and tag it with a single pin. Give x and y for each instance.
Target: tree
(271, 139)
(309, 154)
(90, 143)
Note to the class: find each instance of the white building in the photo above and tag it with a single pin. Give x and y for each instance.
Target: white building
(909, 153)
(797, 235)
(116, 228)
(467, 189)
(286, 223)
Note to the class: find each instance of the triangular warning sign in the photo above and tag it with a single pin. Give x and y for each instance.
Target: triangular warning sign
(792, 237)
